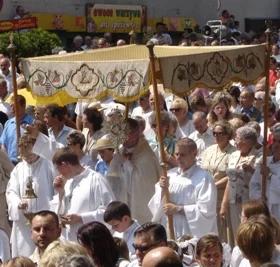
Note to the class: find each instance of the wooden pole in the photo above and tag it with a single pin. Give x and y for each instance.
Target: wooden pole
(266, 100)
(166, 196)
(12, 51)
(126, 110)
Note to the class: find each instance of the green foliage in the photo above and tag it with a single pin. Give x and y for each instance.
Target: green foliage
(31, 43)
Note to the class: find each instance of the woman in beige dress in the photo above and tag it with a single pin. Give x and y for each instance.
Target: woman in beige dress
(215, 160)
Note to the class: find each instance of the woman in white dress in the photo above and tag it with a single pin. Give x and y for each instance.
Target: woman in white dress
(215, 160)
(241, 166)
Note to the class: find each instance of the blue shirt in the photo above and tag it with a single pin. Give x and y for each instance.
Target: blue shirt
(8, 137)
(101, 167)
(253, 113)
(62, 136)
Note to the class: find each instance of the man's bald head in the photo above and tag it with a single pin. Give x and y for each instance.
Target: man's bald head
(162, 257)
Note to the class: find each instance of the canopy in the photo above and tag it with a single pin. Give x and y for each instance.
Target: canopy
(61, 98)
(123, 72)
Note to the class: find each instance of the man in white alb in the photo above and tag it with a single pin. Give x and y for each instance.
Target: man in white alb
(82, 194)
(193, 195)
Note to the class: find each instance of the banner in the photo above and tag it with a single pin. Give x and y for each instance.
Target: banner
(18, 24)
(69, 23)
(179, 24)
(115, 18)
(123, 72)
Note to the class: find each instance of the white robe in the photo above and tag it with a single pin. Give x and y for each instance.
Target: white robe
(42, 175)
(87, 195)
(4, 246)
(139, 175)
(196, 192)
(272, 187)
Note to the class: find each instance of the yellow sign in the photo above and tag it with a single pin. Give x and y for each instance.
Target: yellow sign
(60, 22)
(115, 18)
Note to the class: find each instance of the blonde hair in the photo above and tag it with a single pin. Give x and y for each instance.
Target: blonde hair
(255, 239)
(58, 251)
(220, 98)
(19, 262)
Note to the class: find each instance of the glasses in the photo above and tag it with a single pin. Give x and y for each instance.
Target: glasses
(258, 99)
(218, 134)
(144, 249)
(175, 109)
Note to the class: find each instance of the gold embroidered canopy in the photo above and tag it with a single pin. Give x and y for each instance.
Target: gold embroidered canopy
(123, 72)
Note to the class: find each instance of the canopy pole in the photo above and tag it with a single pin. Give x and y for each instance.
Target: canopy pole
(126, 110)
(12, 51)
(266, 100)
(166, 195)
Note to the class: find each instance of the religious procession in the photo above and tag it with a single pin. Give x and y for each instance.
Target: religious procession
(152, 151)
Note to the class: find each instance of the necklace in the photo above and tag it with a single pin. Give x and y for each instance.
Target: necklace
(217, 164)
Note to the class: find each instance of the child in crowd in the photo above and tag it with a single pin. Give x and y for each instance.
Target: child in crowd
(118, 215)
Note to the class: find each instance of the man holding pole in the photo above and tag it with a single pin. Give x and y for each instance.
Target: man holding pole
(193, 195)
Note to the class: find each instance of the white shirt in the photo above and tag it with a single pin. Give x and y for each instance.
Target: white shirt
(195, 190)
(87, 195)
(42, 176)
(185, 130)
(272, 187)
(128, 236)
(9, 80)
(6, 108)
(202, 141)
(62, 135)
(163, 39)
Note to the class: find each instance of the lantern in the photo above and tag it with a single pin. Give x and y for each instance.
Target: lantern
(30, 198)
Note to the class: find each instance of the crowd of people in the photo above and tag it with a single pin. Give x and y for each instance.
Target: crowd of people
(96, 196)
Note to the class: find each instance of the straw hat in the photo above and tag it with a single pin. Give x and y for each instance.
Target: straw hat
(103, 143)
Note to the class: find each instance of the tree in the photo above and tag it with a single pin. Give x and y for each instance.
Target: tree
(31, 43)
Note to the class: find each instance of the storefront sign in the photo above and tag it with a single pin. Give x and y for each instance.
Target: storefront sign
(69, 23)
(18, 24)
(115, 18)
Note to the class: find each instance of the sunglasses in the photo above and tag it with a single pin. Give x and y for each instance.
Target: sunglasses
(144, 249)
(175, 109)
(218, 134)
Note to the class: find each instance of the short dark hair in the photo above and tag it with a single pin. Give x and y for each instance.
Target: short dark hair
(94, 117)
(44, 213)
(206, 242)
(65, 155)
(132, 124)
(56, 111)
(116, 210)
(20, 100)
(77, 138)
(156, 230)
